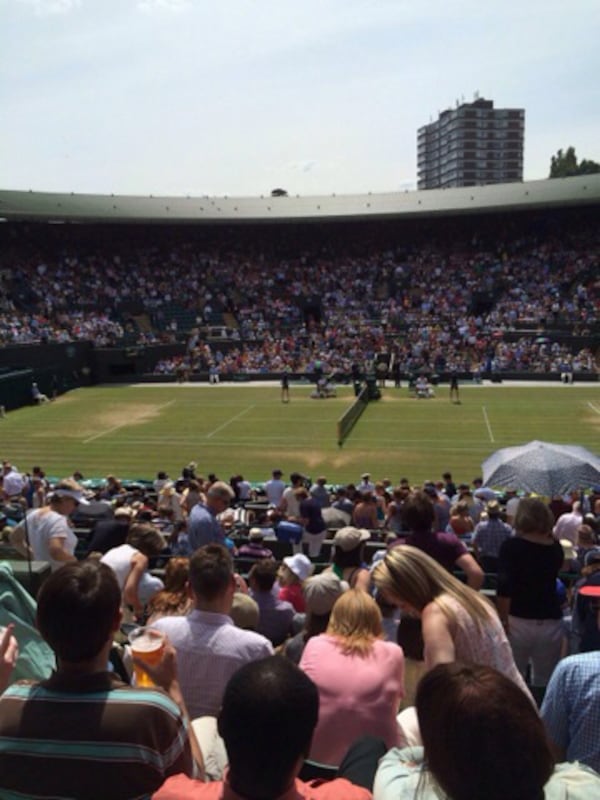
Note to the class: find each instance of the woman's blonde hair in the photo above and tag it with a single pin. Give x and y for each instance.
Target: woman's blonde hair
(533, 516)
(409, 575)
(355, 622)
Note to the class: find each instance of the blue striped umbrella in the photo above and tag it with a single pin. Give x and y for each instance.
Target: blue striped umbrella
(542, 467)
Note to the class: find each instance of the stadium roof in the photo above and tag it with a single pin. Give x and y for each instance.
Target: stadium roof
(56, 207)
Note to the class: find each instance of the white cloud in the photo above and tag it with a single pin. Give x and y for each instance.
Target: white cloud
(46, 8)
(163, 5)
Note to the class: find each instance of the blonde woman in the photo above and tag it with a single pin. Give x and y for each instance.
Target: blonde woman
(45, 533)
(458, 623)
(360, 678)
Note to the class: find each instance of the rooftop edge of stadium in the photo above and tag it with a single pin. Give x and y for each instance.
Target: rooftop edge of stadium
(51, 207)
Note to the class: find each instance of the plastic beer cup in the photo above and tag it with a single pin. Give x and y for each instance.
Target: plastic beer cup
(148, 645)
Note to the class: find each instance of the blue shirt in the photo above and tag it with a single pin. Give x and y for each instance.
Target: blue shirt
(571, 708)
(203, 527)
(489, 535)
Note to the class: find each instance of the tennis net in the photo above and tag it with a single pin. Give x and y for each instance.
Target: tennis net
(348, 420)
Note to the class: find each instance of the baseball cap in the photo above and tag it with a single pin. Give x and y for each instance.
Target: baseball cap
(321, 591)
(349, 538)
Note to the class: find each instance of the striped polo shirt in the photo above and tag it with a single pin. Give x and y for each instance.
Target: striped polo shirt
(88, 737)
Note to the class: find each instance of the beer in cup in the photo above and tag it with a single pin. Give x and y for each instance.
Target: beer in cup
(147, 644)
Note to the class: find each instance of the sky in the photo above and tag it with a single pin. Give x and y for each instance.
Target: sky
(237, 97)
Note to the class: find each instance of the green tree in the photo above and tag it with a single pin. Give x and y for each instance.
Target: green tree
(564, 164)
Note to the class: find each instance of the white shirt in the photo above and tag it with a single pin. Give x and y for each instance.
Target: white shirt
(209, 650)
(119, 560)
(41, 528)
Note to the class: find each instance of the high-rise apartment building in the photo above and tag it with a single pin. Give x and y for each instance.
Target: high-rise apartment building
(471, 145)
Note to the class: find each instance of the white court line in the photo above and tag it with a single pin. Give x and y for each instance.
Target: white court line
(229, 421)
(594, 408)
(122, 425)
(487, 422)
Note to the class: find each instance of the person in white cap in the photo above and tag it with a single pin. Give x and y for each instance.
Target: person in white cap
(292, 573)
(45, 534)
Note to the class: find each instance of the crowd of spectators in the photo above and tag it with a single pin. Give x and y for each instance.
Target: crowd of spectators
(347, 621)
(443, 303)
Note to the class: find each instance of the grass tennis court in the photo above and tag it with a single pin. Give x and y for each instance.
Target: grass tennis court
(133, 431)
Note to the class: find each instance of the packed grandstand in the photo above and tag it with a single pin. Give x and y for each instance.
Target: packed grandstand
(513, 291)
